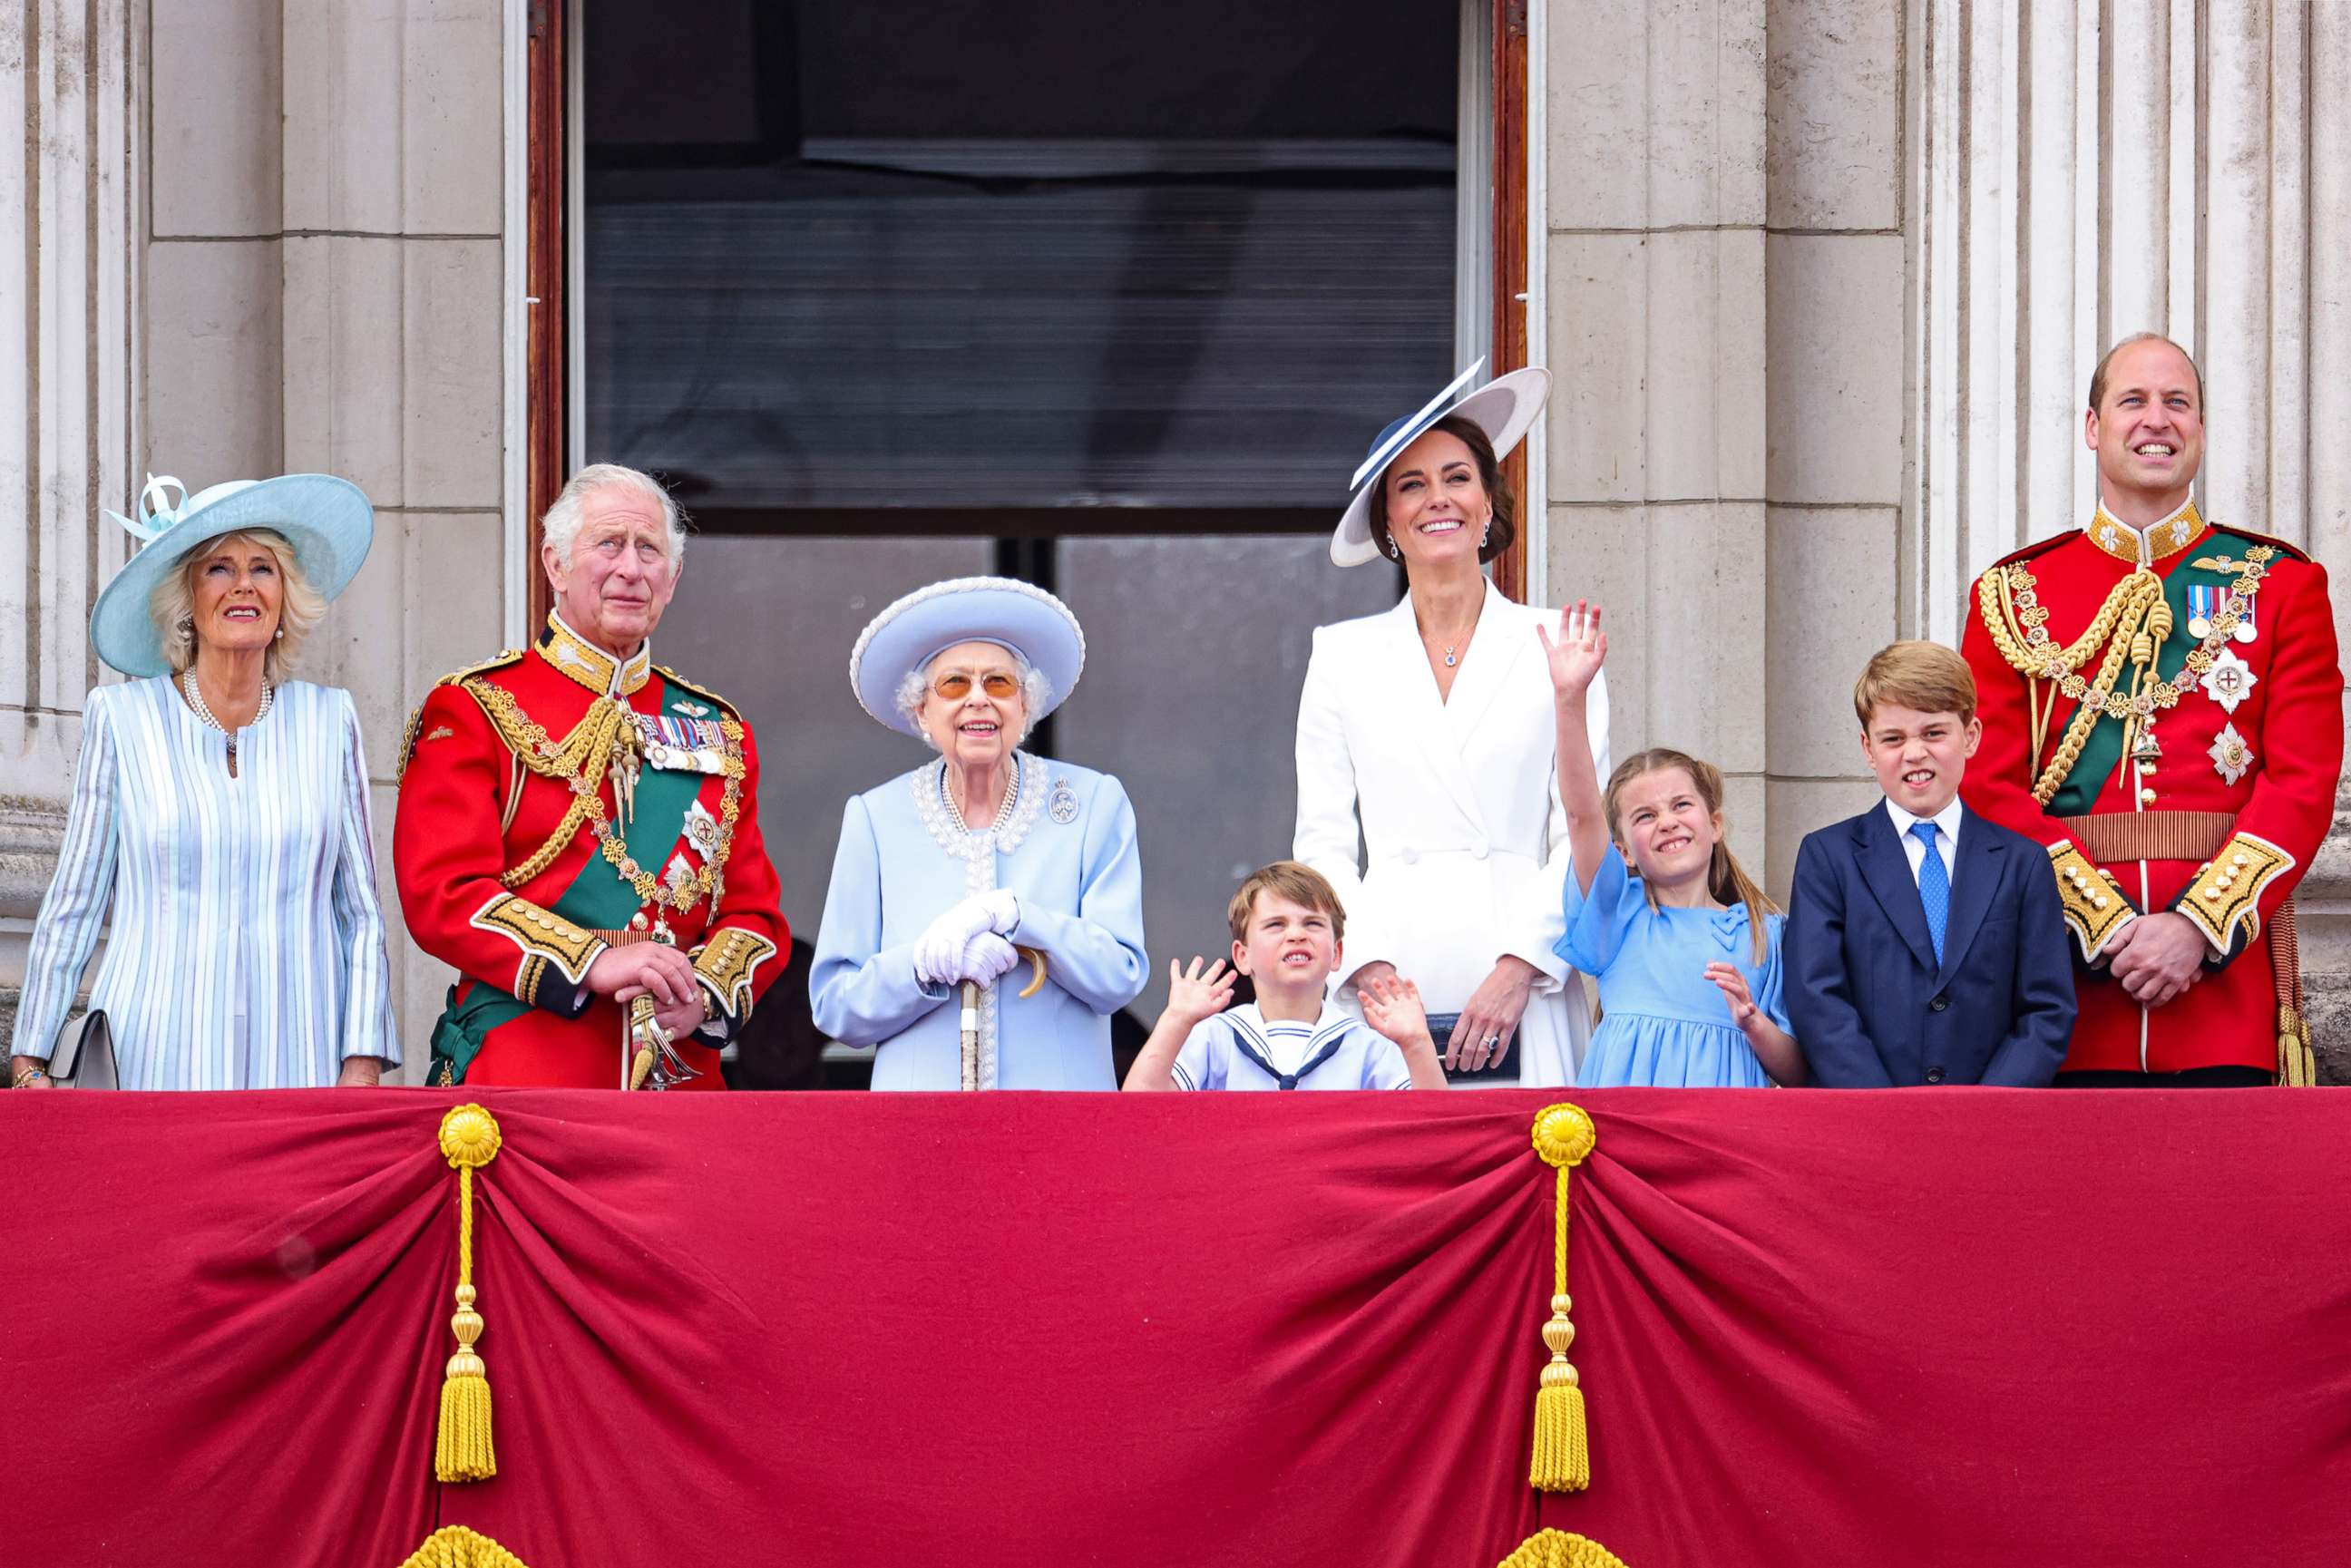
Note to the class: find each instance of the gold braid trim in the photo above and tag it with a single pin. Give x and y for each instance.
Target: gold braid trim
(580, 760)
(2227, 892)
(727, 962)
(2133, 624)
(540, 934)
(2093, 901)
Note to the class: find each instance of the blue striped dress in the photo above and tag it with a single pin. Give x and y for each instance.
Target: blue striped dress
(246, 945)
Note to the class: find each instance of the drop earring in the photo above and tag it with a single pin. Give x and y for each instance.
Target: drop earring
(1394, 553)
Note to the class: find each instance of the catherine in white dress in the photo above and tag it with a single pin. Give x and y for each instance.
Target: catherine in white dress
(1426, 735)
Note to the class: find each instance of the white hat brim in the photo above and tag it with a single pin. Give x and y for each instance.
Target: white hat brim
(1505, 408)
(1004, 611)
(328, 522)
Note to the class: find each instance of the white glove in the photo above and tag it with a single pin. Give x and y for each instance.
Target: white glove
(938, 951)
(1003, 911)
(987, 956)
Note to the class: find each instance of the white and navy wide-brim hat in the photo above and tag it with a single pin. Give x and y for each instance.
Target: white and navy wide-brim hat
(1505, 408)
(928, 621)
(327, 520)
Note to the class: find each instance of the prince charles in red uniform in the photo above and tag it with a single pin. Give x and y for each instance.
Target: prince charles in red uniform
(578, 830)
(2163, 708)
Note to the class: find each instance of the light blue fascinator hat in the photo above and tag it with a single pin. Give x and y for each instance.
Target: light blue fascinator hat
(1504, 408)
(927, 623)
(327, 520)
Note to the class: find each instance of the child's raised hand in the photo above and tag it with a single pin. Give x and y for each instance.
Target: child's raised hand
(1193, 996)
(1579, 649)
(1391, 1006)
(1733, 986)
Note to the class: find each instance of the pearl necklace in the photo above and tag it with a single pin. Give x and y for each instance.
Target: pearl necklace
(196, 700)
(1011, 794)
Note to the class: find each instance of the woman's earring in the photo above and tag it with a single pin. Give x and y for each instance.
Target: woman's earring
(1394, 553)
(187, 622)
(280, 634)
(1486, 533)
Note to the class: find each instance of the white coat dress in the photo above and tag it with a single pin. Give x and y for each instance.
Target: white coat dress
(1464, 840)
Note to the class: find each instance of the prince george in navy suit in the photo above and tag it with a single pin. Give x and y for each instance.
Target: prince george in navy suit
(1924, 944)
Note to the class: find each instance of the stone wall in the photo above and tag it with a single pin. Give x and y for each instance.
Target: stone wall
(1826, 281)
(305, 271)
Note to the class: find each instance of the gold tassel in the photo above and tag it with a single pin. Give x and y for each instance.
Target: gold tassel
(2297, 1068)
(1560, 1548)
(1562, 1454)
(462, 1451)
(455, 1546)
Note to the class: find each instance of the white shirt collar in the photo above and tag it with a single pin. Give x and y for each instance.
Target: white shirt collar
(1947, 819)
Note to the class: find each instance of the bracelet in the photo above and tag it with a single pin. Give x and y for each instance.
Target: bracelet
(25, 1077)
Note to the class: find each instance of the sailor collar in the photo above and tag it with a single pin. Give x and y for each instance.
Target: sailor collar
(590, 666)
(2158, 541)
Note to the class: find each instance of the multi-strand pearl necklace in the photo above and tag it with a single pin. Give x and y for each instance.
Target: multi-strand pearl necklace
(203, 711)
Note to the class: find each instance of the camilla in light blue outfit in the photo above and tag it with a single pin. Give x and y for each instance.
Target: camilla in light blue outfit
(1056, 873)
(1662, 1021)
(233, 871)
(246, 949)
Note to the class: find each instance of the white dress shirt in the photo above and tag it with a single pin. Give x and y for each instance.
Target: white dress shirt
(1947, 837)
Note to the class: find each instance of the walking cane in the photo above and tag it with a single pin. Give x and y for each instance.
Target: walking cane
(971, 1013)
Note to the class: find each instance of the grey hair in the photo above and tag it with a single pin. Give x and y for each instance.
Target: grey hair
(300, 606)
(915, 688)
(560, 526)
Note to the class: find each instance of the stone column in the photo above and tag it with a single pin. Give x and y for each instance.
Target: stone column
(1656, 430)
(70, 214)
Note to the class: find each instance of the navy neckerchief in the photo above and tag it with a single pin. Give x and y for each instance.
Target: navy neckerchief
(1320, 1047)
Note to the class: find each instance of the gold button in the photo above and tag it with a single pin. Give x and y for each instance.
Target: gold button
(2099, 901)
(2239, 859)
(2147, 797)
(2214, 893)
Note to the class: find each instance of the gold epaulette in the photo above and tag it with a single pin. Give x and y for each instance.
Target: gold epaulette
(2037, 547)
(498, 661)
(674, 678)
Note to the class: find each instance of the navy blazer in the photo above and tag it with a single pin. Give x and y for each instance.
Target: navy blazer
(1870, 1006)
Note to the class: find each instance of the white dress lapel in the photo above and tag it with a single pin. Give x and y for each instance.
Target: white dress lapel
(1424, 712)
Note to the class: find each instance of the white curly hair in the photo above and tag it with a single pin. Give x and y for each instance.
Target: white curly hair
(914, 689)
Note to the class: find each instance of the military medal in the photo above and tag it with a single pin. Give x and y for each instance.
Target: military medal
(2145, 748)
(1063, 805)
(2203, 603)
(2230, 681)
(2231, 756)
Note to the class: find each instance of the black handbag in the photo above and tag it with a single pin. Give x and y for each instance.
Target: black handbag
(90, 1064)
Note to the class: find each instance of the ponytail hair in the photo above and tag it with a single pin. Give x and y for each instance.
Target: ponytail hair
(1727, 881)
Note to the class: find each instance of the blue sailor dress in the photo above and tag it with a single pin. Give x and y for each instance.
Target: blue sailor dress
(1066, 849)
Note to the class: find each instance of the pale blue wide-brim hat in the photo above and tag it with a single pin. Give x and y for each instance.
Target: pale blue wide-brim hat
(327, 520)
(1505, 408)
(927, 623)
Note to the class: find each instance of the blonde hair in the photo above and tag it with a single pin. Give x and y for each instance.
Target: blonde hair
(1727, 881)
(1925, 677)
(172, 605)
(1300, 883)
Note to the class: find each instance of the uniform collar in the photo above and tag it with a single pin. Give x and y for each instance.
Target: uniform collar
(2158, 541)
(593, 667)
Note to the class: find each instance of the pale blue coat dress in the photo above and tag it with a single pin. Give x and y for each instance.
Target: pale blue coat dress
(1662, 1021)
(1067, 851)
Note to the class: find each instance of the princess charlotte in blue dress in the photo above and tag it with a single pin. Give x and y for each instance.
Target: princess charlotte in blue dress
(220, 812)
(1011, 874)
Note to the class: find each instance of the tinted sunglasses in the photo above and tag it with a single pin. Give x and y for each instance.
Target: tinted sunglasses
(956, 685)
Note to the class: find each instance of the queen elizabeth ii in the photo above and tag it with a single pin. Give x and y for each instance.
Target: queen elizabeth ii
(985, 865)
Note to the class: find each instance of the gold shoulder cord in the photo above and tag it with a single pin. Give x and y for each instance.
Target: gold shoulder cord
(2132, 625)
(579, 762)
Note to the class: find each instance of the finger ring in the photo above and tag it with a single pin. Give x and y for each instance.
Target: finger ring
(1492, 1040)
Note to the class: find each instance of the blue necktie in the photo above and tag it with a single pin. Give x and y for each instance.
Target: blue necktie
(1934, 887)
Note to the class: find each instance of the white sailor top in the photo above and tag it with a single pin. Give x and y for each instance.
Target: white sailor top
(1241, 1049)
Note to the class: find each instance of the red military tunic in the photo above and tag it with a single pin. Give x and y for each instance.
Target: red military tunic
(520, 858)
(2180, 762)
